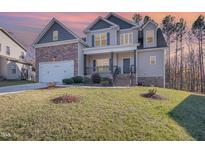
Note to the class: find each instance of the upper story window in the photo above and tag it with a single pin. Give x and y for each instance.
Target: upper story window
(7, 50)
(152, 60)
(126, 38)
(55, 35)
(22, 55)
(101, 39)
(150, 37)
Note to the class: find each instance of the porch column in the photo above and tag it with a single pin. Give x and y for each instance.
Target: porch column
(111, 62)
(85, 72)
(135, 60)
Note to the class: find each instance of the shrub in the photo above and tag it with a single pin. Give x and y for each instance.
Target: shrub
(108, 80)
(68, 81)
(105, 83)
(77, 79)
(87, 80)
(96, 78)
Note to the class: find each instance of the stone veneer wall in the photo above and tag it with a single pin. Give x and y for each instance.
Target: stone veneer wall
(59, 53)
(155, 81)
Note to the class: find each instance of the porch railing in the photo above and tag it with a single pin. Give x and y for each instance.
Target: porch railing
(99, 69)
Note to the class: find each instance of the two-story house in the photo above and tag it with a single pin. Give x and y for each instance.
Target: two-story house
(114, 47)
(13, 65)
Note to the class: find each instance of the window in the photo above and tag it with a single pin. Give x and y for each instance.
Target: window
(150, 37)
(100, 39)
(102, 65)
(22, 55)
(0, 47)
(55, 35)
(126, 38)
(152, 60)
(13, 68)
(7, 50)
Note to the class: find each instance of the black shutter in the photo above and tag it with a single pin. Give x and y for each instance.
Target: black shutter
(93, 41)
(108, 38)
(94, 65)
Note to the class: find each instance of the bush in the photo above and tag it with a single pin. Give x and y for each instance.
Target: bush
(68, 81)
(96, 78)
(108, 80)
(105, 83)
(77, 79)
(87, 80)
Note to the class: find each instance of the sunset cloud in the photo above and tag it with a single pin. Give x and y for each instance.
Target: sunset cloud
(26, 26)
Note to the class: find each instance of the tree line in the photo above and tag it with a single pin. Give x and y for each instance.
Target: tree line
(185, 56)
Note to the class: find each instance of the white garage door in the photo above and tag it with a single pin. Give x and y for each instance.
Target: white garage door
(55, 71)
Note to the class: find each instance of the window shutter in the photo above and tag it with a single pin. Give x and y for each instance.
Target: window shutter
(94, 65)
(108, 38)
(93, 40)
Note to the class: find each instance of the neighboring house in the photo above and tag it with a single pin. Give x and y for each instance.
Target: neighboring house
(13, 65)
(113, 47)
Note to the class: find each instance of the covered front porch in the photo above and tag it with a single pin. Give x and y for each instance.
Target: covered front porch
(110, 61)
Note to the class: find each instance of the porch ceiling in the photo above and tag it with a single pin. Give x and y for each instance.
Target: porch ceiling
(108, 49)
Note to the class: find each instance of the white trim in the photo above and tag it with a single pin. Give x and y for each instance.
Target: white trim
(151, 49)
(165, 68)
(151, 21)
(56, 43)
(95, 21)
(108, 49)
(48, 27)
(120, 17)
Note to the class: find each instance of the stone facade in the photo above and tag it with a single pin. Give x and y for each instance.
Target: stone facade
(149, 81)
(57, 53)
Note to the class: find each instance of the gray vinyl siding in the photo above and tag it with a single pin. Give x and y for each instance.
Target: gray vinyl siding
(145, 69)
(63, 34)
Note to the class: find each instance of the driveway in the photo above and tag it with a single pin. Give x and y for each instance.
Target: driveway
(21, 88)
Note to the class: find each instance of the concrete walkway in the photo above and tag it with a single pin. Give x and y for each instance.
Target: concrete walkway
(21, 88)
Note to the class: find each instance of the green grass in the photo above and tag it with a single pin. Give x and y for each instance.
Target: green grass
(102, 114)
(14, 82)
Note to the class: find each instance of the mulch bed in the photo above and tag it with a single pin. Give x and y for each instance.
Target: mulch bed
(67, 98)
(153, 96)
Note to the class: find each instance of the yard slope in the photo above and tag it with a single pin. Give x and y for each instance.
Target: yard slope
(102, 114)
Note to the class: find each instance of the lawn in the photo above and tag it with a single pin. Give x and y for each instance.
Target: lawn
(102, 114)
(14, 82)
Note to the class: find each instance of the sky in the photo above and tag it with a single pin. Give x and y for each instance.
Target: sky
(26, 26)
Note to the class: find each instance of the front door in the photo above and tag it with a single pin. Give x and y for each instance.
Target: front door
(126, 65)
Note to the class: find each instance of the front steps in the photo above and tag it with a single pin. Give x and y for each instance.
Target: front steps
(125, 80)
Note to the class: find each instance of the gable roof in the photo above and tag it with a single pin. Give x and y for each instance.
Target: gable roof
(160, 39)
(13, 39)
(122, 22)
(150, 21)
(49, 25)
(96, 21)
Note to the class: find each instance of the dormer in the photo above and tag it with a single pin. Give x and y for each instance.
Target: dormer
(149, 31)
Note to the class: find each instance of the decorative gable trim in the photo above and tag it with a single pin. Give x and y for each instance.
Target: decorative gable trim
(48, 26)
(120, 17)
(96, 20)
(151, 21)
